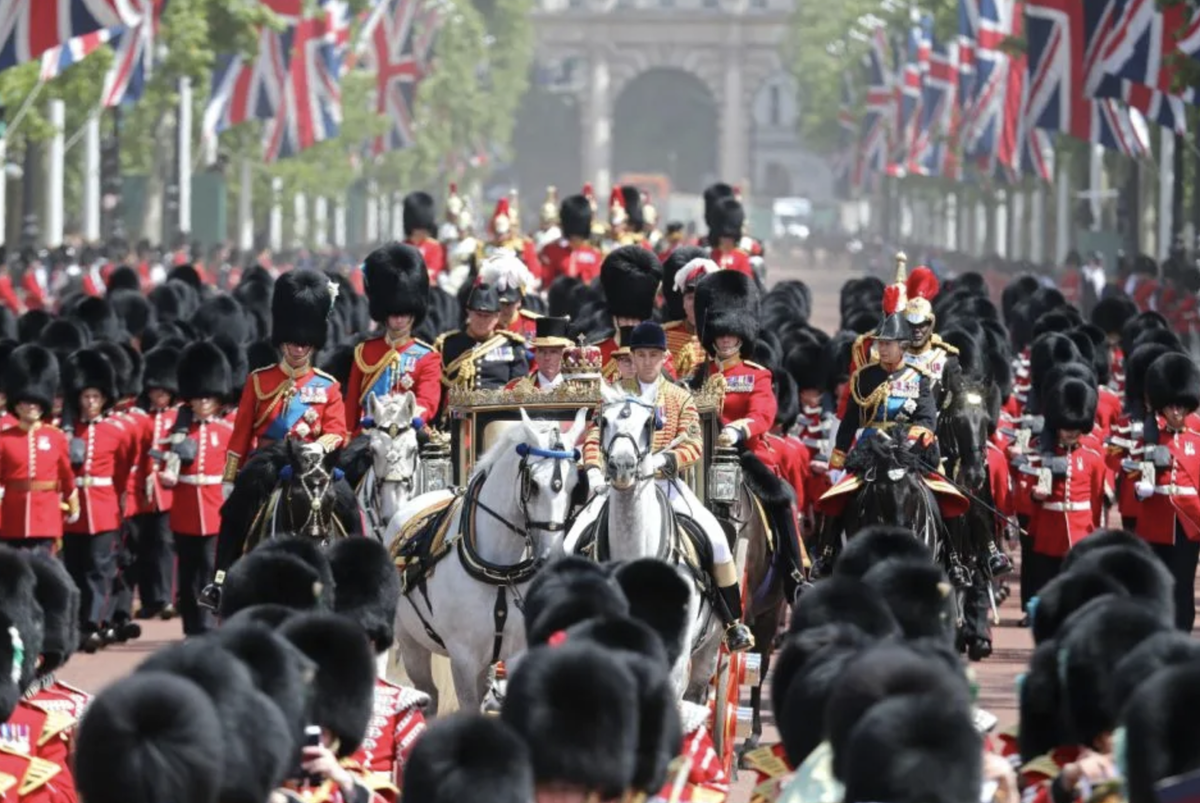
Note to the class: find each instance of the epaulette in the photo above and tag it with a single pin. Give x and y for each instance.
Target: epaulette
(920, 369)
(264, 369)
(942, 344)
(755, 365)
(669, 325)
(441, 340)
(330, 377)
(533, 316)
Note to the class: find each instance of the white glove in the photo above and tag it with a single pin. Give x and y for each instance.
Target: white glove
(596, 483)
(819, 466)
(226, 490)
(169, 480)
(658, 462)
(1143, 490)
(74, 517)
(730, 435)
(836, 475)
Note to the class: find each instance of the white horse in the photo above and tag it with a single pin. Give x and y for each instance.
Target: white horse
(637, 517)
(521, 496)
(395, 458)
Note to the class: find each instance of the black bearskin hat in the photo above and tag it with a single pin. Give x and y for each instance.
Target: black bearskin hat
(63, 336)
(566, 592)
(875, 544)
(727, 304)
(631, 197)
(917, 593)
(1173, 379)
(300, 308)
(1160, 651)
(58, 597)
(1143, 576)
(396, 282)
(713, 194)
(808, 362)
(575, 216)
(133, 310)
(204, 372)
(469, 758)
(162, 369)
(149, 738)
(128, 374)
(366, 587)
(1071, 404)
(1137, 365)
(728, 220)
(222, 315)
(22, 628)
(844, 600)
(98, 315)
(89, 368)
(658, 596)
(1065, 594)
(345, 683)
(630, 276)
(30, 375)
(675, 261)
(419, 213)
(1112, 313)
(289, 572)
(1161, 737)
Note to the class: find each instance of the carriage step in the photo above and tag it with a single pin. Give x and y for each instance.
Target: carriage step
(751, 674)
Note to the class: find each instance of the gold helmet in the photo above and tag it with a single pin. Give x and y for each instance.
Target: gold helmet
(514, 209)
(550, 207)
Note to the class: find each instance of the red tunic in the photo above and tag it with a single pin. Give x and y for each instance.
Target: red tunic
(524, 324)
(1108, 412)
(93, 282)
(433, 254)
(50, 727)
(136, 420)
(792, 458)
(196, 507)
(735, 259)
(36, 475)
(102, 477)
(380, 368)
(36, 288)
(1122, 446)
(8, 295)
(1038, 775)
(277, 403)
(33, 780)
(7, 420)
(1075, 506)
(561, 258)
(397, 721)
(1175, 496)
(149, 494)
(750, 404)
(706, 771)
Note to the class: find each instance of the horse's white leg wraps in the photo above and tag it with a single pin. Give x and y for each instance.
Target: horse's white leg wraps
(685, 502)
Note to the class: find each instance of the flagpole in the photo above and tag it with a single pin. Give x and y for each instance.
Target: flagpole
(1037, 223)
(25, 107)
(55, 176)
(1095, 182)
(1062, 211)
(91, 179)
(1166, 190)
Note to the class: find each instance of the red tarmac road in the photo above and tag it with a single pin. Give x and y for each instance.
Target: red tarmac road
(996, 676)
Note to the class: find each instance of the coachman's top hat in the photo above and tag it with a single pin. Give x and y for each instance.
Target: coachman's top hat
(552, 333)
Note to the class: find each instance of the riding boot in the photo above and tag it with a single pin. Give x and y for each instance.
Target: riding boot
(826, 548)
(738, 637)
(997, 562)
(958, 574)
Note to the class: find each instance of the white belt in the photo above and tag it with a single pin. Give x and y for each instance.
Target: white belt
(1174, 490)
(93, 482)
(201, 479)
(1063, 507)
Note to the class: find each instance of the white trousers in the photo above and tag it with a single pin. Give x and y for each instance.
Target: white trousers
(684, 501)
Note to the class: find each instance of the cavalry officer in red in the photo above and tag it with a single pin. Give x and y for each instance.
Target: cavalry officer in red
(420, 230)
(292, 399)
(630, 277)
(199, 445)
(573, 254)
(682, 271)
(550, 343)
(725, 233)
(397, 287)
(101, 459)
(1068, 494)
(1170, 516)
(37, 483)
(155, 566)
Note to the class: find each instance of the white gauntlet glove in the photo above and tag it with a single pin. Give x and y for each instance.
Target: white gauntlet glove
(835, 475)
(659, 461)
(729, 436)
(595, 479)
(226, 490)
(1143, 490)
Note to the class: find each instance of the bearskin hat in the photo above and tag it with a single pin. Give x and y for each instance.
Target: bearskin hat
(1049, 350)
(672, 297)
(809, 364)
(149, 738)
(1159, 651)
(1173, 379)
(630, 276)
(659, 597)
(128, 375)
(89, 368)
(31, 324)
(397, 282)
(222, 314)
(419, 213)
(58, 597)
(22, 627)
(291, 572)
(258, 746)
(204, 372)
(344, 690)
(98, 315)
(728, 220)
(575, 216)
(1137, 365)
(631, 197)
(917, 593)
(469, 758)
(787, 398)
(568, 591)
(1104, 538)
(132, 310)
(123, 277)
(187, 275)
(1071, 404)
(874, 544)
(727, 304)
(162, 370)
(64, 336)
(713, 194)
(30, 375)
(300, 309)
(1161, 737)
(366, 587)
(844, 600)
(1143, 575)
(1113, 312)
(575, 705)
(1065, 594)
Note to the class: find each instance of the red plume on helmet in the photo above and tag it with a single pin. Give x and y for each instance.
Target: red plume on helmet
(922, 283)
(893, 299)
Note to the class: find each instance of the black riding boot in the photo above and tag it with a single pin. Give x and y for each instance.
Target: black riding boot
(738, 637)
(826, 547)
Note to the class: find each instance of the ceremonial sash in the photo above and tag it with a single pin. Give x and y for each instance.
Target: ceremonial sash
(294, 409)
(395, 366)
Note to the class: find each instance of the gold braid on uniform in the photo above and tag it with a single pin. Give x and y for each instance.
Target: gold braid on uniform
(869, 404)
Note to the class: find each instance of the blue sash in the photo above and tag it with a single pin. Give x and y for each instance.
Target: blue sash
(396, 368)
(294, 410)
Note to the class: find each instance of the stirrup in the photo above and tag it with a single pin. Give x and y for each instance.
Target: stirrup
(957, 574)
(738, 637)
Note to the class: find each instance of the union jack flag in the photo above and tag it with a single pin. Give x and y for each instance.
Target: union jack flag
(28, 28)
(877, 122)
(1057, 36)
(916, 64)
(57, 59)
(311, 107)
(846, 156)
(983, 27)
(933, 154)
(401, 35)
(133, 57)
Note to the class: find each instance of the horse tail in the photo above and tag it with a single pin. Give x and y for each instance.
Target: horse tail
(355, 460)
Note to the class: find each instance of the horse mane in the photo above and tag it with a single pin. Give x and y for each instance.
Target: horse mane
(505, 446)
(875, 452)
(355, 459)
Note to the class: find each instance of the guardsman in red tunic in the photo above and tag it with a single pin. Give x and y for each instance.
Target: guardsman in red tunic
(1169, 481)
(808, 363)
(573, 254)
(155, 563)
(550, 344)
(101, 459)
(35, 285)
(292, 399)
(630, 277)
(682, 271)
(1069, 486)
(511, 278)
(674, 238)
(397, 712)
(199, 445)
(420, 231)
(725, 233)
(36, 478)
(1110, 315)
(395, 362)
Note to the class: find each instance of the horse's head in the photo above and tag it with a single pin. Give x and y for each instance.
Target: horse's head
(394, 447)
(890, 469)
(307, 481)
(546, 478)
(964, 436)
(627, 427)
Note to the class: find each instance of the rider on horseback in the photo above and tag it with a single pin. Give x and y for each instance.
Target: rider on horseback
(677, 445)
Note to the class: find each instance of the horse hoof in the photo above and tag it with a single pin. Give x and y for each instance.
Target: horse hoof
(979, 649)
(127, 631)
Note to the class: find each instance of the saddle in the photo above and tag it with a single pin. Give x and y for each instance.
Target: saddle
(422, 542)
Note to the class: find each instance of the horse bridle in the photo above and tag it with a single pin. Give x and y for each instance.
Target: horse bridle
(315, 490)
(394, 431)
(640, 453)
(525, 481)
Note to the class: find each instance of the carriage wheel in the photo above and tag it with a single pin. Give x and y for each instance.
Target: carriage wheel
(723, 708)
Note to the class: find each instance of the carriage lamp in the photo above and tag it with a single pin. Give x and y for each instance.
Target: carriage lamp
(437, 472)
(724, 476)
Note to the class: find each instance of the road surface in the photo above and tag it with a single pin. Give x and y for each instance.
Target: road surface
(996, 676)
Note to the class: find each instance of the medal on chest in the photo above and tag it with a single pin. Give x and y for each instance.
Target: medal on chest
(743, 383)
(43, 443)
(499, 354)
(313, 395)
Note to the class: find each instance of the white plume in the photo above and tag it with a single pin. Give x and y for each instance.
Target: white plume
(506, 271)
(684, 273)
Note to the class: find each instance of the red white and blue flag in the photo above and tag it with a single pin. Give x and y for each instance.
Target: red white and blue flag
(133, 58)
(984, 26)
(911, 80)
(933, 151)
(400, 36)
(878, 120)
(28, 28)
(57, 59)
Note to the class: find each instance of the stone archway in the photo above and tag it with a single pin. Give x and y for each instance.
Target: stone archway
(547, 145)
(665, 120)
